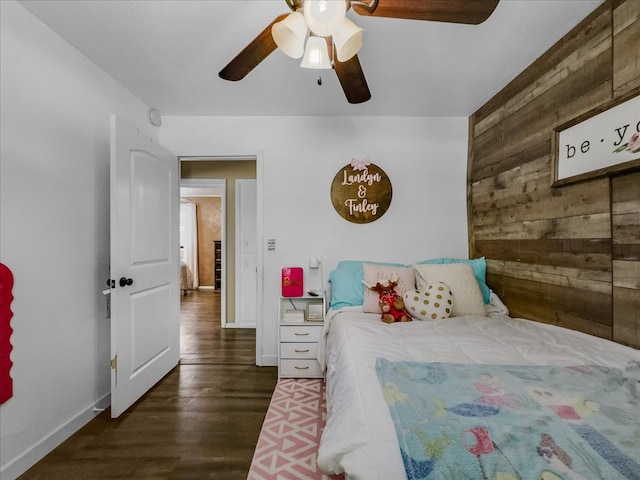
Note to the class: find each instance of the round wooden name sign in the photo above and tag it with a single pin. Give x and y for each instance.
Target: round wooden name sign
(361, 192)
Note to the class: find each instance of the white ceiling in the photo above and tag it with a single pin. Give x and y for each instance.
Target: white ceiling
(169, 52)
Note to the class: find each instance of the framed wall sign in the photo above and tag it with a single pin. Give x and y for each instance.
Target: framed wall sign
(600, 143)
(361, 192)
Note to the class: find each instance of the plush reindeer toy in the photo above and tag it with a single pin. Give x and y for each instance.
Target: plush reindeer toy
(391, 302)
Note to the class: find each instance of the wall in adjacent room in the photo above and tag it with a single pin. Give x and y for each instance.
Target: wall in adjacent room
(566, 255)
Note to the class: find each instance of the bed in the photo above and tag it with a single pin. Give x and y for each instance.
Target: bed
(471, 396)
(186, 278)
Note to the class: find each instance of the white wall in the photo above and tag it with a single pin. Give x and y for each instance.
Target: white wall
(54, 232)
(425, 158)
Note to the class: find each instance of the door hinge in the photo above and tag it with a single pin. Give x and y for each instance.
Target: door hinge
(114, 363)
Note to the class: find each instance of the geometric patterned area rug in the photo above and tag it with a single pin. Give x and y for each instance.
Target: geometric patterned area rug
(287, 447)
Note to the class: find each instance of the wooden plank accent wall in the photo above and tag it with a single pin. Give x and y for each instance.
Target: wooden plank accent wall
(626, 60)
(567, 255)
(625, 201)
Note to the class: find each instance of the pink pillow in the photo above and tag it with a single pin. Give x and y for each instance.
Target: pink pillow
(382, 273)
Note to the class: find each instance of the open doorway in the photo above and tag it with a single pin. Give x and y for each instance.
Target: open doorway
(201, 233)
(228, 174)
(221, 318)
(202, 237)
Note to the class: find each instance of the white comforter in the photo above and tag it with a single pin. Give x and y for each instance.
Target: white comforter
(359, 438)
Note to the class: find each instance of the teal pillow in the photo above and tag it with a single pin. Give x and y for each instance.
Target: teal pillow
(347, 288)
(479, 266)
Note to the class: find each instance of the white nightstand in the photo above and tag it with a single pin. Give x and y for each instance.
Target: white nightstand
(298, 336)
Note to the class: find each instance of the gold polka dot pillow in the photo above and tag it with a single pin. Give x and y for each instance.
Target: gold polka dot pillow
(433, 303)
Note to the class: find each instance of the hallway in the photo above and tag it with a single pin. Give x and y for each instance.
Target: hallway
(200, 422)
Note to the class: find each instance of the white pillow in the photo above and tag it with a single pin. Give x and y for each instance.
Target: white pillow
(459, 277)
(382, 273)
(434, 303)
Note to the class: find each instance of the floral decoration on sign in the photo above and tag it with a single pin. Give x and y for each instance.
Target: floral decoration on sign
(360, 164)
(633, 145)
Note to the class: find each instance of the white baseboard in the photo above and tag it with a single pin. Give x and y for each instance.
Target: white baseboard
(37, 452)
(268, 361)
(240, 325)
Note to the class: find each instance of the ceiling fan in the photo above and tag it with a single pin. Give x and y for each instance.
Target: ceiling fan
(326, 21)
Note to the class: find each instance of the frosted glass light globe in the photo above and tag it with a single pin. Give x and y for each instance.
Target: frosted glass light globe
(290, 34)
(324, 16)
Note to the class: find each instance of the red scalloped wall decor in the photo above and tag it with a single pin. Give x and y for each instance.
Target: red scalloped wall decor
(6, 296)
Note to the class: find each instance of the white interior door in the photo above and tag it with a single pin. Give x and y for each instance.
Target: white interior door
(247, 253)
(145, 308)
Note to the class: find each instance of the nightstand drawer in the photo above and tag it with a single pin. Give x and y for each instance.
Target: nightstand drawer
(298, 350)
(299, 368)
(300, 333)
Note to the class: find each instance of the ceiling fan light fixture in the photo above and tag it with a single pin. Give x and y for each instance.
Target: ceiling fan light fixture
(290, 33)
(347, 40)
(324, 16)
(316, 54)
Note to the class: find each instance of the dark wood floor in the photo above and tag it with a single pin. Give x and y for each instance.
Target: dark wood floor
(200, 422)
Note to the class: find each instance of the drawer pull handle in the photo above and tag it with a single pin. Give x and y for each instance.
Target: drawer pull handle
(301, 368)
(301, 334)
(301, 351)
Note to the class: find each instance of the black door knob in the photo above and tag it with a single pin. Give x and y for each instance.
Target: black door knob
(126, 281)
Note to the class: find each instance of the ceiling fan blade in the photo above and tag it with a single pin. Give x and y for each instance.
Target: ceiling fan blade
(254, 53)
(452, 11)
(352, 80)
